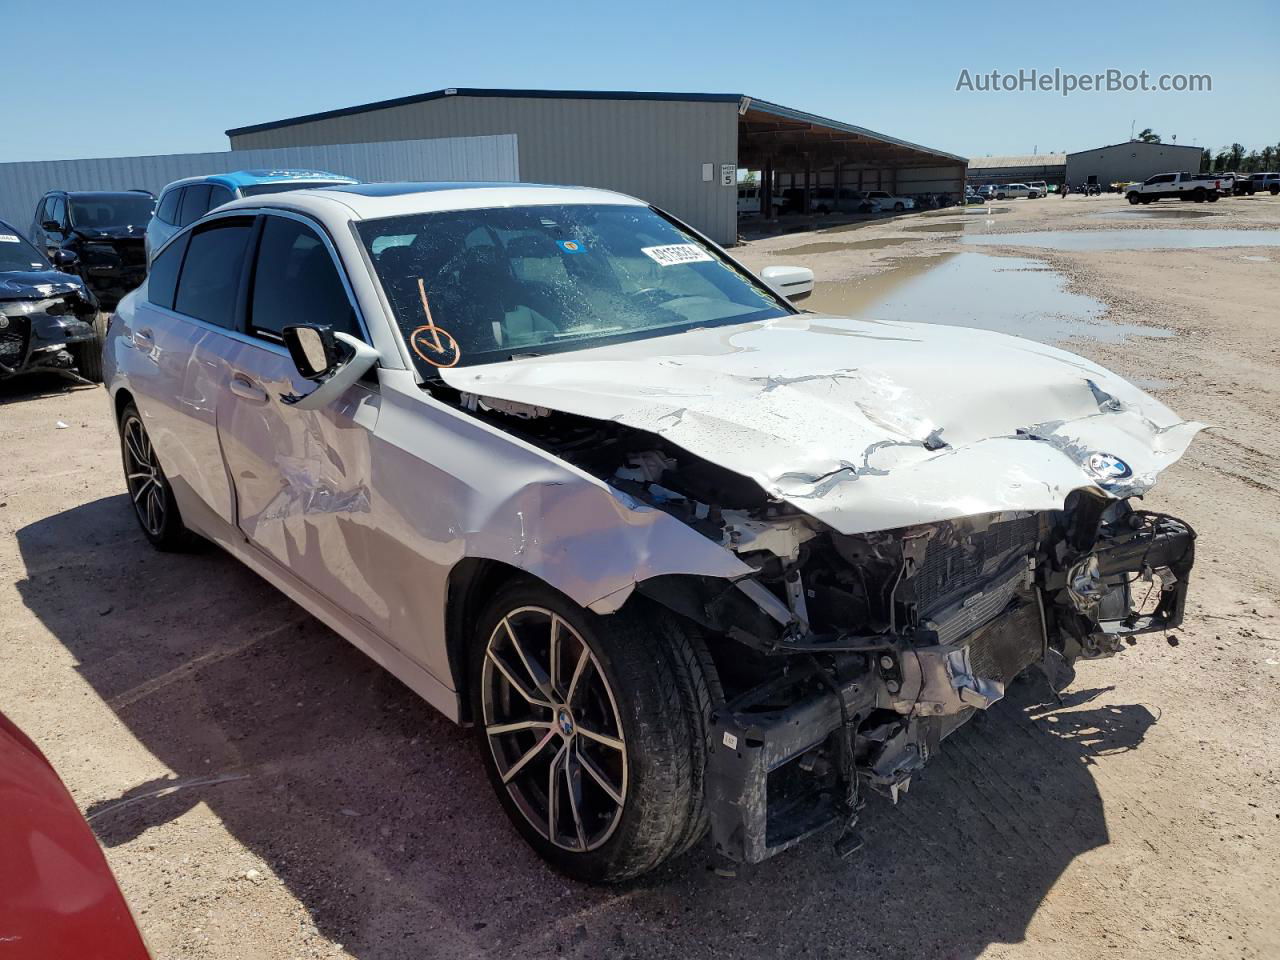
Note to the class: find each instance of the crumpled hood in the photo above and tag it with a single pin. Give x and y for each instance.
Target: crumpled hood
(36, 284)
(868, 425)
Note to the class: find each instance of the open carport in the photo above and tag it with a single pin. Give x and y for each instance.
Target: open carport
(801, 151)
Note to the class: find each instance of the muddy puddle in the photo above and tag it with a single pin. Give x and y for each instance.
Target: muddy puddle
(1159, 213)
(832, 246)
(1013, 295)
(1090, 240)
(972, 210)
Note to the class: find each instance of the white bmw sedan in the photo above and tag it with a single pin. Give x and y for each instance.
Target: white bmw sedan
(682, 554)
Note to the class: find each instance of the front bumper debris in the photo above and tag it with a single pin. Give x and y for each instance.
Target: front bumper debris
(775, 768)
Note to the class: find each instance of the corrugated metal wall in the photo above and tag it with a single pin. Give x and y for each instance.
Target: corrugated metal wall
(494, 158)
(1126, 162)
(650, 149)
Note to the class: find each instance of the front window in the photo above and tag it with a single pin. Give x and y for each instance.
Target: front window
(480, 286)
(17, 255)
(99, 211)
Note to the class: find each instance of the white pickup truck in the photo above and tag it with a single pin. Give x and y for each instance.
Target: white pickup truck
(1184, 186)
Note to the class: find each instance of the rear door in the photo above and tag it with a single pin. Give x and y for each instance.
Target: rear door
(193, 294)
(301, 478)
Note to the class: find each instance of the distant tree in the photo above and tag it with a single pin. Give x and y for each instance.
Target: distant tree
(1221, 159)
(1237, 155)
(1252, 162)
(1206, 160)
(1149, 136)
(750, 178)
(1267, 156)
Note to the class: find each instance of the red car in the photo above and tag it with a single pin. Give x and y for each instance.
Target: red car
(58, 897)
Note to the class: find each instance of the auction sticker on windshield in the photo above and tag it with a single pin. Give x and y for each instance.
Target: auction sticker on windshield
(676, 253)
(8, 238)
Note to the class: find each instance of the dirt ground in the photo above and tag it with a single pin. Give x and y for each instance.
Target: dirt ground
(263, 790)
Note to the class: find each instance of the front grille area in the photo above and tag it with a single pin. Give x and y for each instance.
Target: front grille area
(13, 341)
(1008, 645)
(132, 253)
(953, 569)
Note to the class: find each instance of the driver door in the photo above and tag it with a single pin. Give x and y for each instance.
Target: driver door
(301, 478)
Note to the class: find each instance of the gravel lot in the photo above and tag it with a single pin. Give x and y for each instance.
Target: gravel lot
(263, 790)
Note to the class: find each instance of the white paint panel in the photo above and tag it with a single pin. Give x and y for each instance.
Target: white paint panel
(492, 158)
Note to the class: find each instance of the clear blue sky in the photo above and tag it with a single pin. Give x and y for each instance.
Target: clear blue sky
(124, 77)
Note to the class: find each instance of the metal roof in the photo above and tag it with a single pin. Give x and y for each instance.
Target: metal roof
(744, 102)
(1018, 160)
(1139, 143)
(487, 92)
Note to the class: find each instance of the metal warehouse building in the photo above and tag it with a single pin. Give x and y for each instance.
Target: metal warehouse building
(680, 151)
(1126, 162)
(1023, 168)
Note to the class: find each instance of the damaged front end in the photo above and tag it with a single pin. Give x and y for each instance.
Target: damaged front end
(40, 332)
(847, 659)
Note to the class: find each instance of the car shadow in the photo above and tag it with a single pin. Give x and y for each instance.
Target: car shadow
(374, 811)
(33, 386)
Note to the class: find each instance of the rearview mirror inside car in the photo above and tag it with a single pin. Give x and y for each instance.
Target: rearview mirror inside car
(794, 283)
(333, 361)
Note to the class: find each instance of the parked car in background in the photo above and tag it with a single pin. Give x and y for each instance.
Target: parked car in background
(987, 191)
(49, 321)
(973, 196)
(104, 230)
(1269, 182)
(887, 201)
(186, 201)
(1017, 191)
(58, 897)
(748, 199)
(668, 543)
(1181, 186)
(1040, 187)
(846, 200)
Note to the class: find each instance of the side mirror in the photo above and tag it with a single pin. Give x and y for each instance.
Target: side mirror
(51, 225)
(314, 350)
(64, 258)
(334, 361)
(794, 283)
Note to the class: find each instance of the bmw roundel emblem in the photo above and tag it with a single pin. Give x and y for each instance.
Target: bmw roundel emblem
(1105, 467)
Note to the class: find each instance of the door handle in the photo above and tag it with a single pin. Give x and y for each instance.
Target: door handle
(246, 389)
(143, 338)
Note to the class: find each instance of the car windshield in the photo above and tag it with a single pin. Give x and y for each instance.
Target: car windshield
(98, 211)
(16, 254)
(284, 186)
(480, 286)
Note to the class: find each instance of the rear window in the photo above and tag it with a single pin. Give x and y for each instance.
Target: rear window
(218, 195)
(211, 272)
(195, 203)
(162, 279)
(168, 211)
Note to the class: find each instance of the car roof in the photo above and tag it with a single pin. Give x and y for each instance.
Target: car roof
(249, 178)
(371, 201)
(102, 193)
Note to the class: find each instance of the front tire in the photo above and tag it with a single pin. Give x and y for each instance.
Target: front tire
(593, 729)
(1135, 199)
(89, 353)
(154, 505)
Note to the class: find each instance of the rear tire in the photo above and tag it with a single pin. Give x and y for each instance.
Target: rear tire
(599, 759)
(89, 352)
(154, 505)
(1212, 198)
